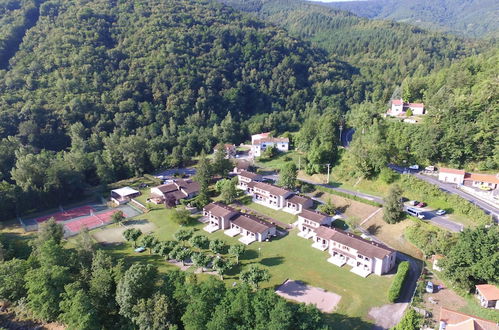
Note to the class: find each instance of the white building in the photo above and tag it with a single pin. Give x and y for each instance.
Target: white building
(451, 175)
(260, 145)
(399, 108)
(269, 195)
(365, 257)
(310, 220)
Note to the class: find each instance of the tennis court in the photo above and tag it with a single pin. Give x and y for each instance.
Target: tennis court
(68, 214)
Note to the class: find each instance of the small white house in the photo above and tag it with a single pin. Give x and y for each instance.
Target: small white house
(123, 195)
(260, 145)
(451, 175)
(399, 108)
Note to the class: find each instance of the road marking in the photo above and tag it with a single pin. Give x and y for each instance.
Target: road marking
(370, 216)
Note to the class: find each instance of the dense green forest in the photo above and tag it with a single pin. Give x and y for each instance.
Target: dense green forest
(85, 288)
(16, 16)
(110, 90)
(460, 128)
(385, 52)
(474, 18)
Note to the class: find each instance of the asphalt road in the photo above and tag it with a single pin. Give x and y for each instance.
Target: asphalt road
(451, 189)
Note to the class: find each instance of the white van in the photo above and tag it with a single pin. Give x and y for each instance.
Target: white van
(415, 213)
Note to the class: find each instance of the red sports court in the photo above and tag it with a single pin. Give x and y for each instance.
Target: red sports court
(69, 214)
(91, 222)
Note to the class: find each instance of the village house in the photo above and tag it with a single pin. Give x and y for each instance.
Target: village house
(309, 221)
(260, 145)
(486, 182)
(255, 137)
(295, 204)
(399, 108)
(364, 256)
(218, 216)
(451, 175)
(488, 295)
(452, 320)
(123, 195)
(229, 149)
(251, 229)
(176, 189)
(245, 177)
(269, 195)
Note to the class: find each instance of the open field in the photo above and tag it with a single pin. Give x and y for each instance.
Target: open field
(114, 233)
(285, 257)
(392, 234)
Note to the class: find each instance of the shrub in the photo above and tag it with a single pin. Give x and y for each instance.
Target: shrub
(398, 281)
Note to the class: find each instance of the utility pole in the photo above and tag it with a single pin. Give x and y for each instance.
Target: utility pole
(328, 168)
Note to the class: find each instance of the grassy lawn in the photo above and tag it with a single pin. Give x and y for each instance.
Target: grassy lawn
(285, 257)
(275, 214)
(277, 162)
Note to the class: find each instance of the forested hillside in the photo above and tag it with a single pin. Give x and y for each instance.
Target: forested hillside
(385, 52)
(460, 128)
(16, 16)
(124, 88)
(474, 18)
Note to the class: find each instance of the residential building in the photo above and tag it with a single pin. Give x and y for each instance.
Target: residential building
(488, 295)
(452, 320)
(218, 216)
(123, 195)
(399, 108)
(451, 175)
(245, 177)
(481, 181)
(364, 256)
(260, 145)
(295, 204)
(177, 189)
(229, 149)
(269, 195)
(309, 221)
(488, 182)
(251, 229)
(255, 137)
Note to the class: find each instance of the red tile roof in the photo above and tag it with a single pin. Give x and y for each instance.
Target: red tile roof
(297, 199)
(314, 216)
(416, 105)
(251, 223)
(489, 178)
(365, 247)
(452, 171)
(460, 321)
(271, 140)
(219, 209)
(250, 175)
(397, 102)
(488, 291)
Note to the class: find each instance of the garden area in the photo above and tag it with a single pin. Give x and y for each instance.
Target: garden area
(286, 257)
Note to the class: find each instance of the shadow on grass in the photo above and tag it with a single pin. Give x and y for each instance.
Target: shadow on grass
(373, 229)
(249, 254)
(343, 322)
(272, 261)
(342, 209)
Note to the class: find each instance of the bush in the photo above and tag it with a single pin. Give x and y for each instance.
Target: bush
(388, 176)
(398, 281)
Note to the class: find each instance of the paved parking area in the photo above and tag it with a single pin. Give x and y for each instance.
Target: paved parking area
(303, 293)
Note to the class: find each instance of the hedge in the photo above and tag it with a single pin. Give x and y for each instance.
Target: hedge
(398, 281)
(345, 195)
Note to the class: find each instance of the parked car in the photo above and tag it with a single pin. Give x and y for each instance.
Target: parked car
(421, 204)
(413, 203)
(429, 287)
(415, 213)
(441, 212)
(414, 167)
(140, 249)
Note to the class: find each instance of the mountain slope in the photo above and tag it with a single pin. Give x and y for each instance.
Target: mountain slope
(116, 89)
(385, 52)
(474, 18)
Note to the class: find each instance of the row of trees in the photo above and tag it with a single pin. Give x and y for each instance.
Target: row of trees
(86, 288)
